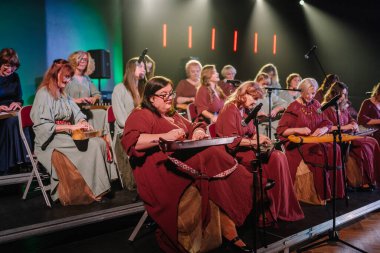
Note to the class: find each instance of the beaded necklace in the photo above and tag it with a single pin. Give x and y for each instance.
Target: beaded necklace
(306, 108)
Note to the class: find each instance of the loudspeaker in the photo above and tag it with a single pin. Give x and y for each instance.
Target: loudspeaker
(102, 63)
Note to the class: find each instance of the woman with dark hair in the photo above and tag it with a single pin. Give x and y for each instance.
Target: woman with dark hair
(12, 151)
(167, 181)
(125, 97)
(364, 151)
(284, 203)
(309, 163)
(55, 115)
(369, 114)
(326, 84)
(210, 97)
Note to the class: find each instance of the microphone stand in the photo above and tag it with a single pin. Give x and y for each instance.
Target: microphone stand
(333, 233)
(319, 63)
(269, 91)
(258, 180)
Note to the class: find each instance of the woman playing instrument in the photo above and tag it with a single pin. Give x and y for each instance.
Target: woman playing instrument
(125, 97)
(210, 97)
(310, 164)
(55, 115)
(165, 180)
(369, 114)
(284, 202)
(365, 151)
(12, 152)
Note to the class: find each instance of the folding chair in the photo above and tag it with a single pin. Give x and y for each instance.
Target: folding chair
(110, 117)
(24, 123)
(211, 130)
(191, 112)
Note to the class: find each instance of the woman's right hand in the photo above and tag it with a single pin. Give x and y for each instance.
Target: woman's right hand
(175, 134)
(3, 108)
(303, 131)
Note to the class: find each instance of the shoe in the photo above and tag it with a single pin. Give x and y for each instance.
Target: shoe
(239, 248)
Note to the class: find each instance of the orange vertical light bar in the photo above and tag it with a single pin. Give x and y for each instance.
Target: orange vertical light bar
(213, 31)
(274, 44)
(235, 40)
(255, 43)
(164, 35)
(190, 37)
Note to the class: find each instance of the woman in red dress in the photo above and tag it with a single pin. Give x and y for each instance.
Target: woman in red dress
(301, 118)
(365, 151)
(210, 97)
(161, 183)
(369, 114)
(284, 202)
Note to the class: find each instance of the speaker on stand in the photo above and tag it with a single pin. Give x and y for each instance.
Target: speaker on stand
(102, 65)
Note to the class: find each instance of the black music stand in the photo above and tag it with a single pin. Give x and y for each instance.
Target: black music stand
(333, 236)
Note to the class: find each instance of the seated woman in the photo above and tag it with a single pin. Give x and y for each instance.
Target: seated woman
(310, 164)
(164, 180)
(228, 73)
(284, 202)
(210, 97)
(292, 82)
(55, 115)
(369, 113)
(12, 151)
(364, 151)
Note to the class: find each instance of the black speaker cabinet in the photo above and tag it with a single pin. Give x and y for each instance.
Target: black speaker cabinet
(102, 63)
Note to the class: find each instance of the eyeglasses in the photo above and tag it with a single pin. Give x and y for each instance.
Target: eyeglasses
(166, 97)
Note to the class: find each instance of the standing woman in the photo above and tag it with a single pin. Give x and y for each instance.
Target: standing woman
(284, 202)
(365, 151)
(209, 99)
(125, 97)
(369, 114)
(310, 163)
(83, 90)
(76, 177)
(164, 180)
(12, 151)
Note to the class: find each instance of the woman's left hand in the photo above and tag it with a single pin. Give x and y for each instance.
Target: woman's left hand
(14, 106)
(320, 131)
(85, 125)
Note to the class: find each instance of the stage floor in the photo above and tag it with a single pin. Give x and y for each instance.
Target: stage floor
(30, 226)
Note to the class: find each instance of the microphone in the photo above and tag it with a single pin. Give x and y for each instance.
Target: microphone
(252, 114)
(235, 83)
(332, 102)
(142, 56)
(310, 51)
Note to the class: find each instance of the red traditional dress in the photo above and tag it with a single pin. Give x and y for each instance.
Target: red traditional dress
(185, 89)
(161, 184)
(205, 100)
(368, 111)
(319, 156)
(284, 202)
(365, 151)
(228, 88)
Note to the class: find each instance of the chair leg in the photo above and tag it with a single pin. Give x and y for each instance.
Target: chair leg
(138, 227)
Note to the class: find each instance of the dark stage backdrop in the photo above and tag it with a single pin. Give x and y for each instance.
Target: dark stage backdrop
(346, 34)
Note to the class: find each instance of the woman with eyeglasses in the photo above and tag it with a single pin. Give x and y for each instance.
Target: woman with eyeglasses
(83, 90)
(192, 193)
(284, 204)
(364, 152)
(55, 115)
(209, 99)
(12, 152)
(125, 97)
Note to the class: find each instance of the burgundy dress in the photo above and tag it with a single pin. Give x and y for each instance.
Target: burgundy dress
(368, 111)
(185, 89)
(284, 201)
(206, 101)
(161, 184)
(228, 88)
(319, 156)
(365, 151)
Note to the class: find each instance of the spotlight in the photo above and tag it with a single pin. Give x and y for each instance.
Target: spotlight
(302, 2)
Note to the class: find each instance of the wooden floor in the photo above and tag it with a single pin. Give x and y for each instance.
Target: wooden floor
(364, 234)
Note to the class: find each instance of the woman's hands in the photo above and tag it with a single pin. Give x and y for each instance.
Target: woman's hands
(320, 131)
(199, 134)
(86, 100)
(175, 134)
(14, 106)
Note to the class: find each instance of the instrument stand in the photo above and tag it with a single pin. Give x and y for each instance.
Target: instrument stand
(333, 236)
(258, 181)
(319, 64)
